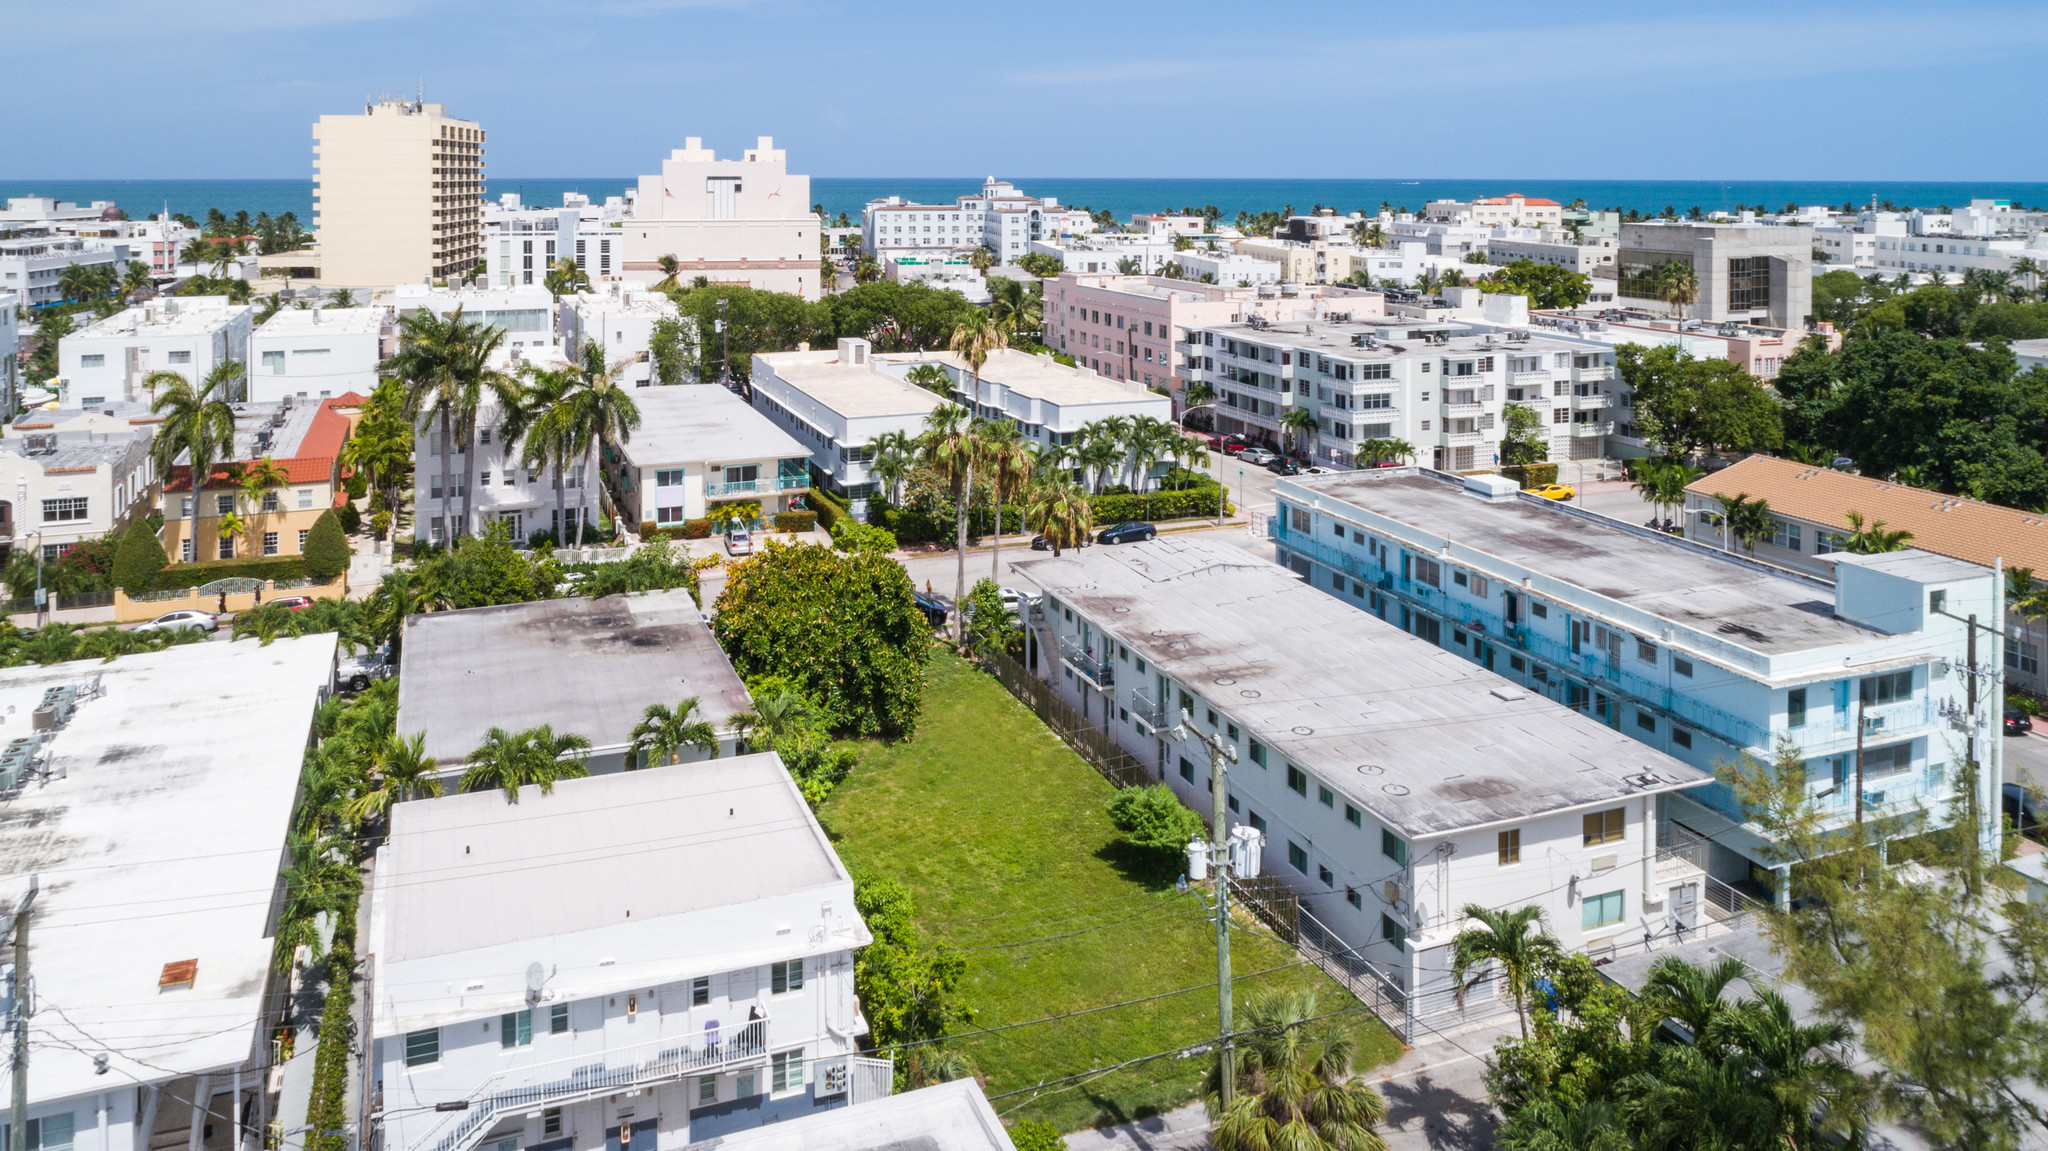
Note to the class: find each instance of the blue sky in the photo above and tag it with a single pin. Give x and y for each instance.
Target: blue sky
(1190, 88)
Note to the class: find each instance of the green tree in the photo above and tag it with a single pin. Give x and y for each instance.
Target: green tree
(1513, 945)
(327, 551)
(565, 278)
(671, 269)
(1297, 425)
(1872, 538)
(673, 351)
(990, 626)
(664, 732)
(1059, 510)
(1745, 520)
(1523, 441)
(975, 338)
(1677, 284)
(1294, 1089)
(138, 560)
(1006, 462)
(907, 985)
(842, 625)
(403, 771)
(952, 449)
(1546, 285)
(198, 426)
(536, 756)
(51, 328)
(931, 377)
(1688, 404)
(1153, 818)
(983, 258)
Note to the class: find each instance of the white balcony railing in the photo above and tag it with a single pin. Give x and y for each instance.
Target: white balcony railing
(1594, 429)
(1590, 403)
(757, 487)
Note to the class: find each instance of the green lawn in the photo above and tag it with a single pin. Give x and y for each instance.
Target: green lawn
(1000, 832)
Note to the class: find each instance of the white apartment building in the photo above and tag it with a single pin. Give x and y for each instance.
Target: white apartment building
(1513, 209)
(1554, 247)
(1433, 384)
(582, 665)
(1047, 400)
(526, 315)
(317, 352)
(1235, 269)
(397, 195)
(836, 402)
(686, 973)
(527, 500)
(1697, 652)
(107, 360)
(49, 216)
(1460, 237)
(699, 446)
(10, 349)
(999, 218)
(1158, 224)
(1109, 253)
(31, 266)
(522, 244)
(1388, 788)
(619, 317)
(156, 1013)
(746, 221)
(68, 476)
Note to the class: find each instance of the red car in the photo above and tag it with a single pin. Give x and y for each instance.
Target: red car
(293, 602)
(1231, 447)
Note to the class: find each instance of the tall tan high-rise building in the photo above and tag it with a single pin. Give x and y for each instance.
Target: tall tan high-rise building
(397, 195)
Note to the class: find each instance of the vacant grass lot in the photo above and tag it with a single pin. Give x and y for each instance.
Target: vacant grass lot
(1000, 832)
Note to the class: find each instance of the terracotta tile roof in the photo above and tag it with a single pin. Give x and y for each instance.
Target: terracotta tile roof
(1945, 525)
(1533, 201)
(348, 400)
(313, 464)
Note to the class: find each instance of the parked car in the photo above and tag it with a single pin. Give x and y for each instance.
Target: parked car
(1015, 600)
(1313, 470)
(1258, 456)
(293, 602)
(182, 621)
(1283, 466)
(935, 607)
(1230, 447)
(2017, 721)
(1041, 544)
(2021, 808)
(739, 543)
(356, 672)
(1554, 491)
(1128, 532)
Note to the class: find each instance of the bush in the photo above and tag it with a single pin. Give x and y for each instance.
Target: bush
(1032, 1135)
(1153, 817)
(358, 486)
(139, 559)
(694, 530)
(1191, 503)
(849, 536)
(327, 552)
(351, 519)
(648, 529)
(827, 506)
(326, 1113)
(990, 626)
(795, 521)
(1531, 475)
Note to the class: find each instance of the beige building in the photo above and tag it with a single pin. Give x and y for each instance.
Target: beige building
(746, 221)
(397, 195)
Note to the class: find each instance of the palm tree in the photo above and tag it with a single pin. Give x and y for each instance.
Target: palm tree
(952, 447)
(1689, 993)
(2028, 272)
(424, 367)
(1018, 306)
(544, 427)
(344, 298)
(1195, 395)
(671, 269)
(259, 479)
(1006, 459)
(1298, 422)
(1096, 451)
(1376, 451)
(663, 732)
(931, 377)
(1515, 942)
(76, 283)
(1800, 1065)
(893, 456)
(983, 259)
(1147, 442)
(604, 412)
(198, 424)
(1662, 484)
(1677, 284)
(1744, 520)
(866, 270)
(137, 279)
(976, 338)
(1544, 1124)
(565, 278)
(1872, 539)
(402, 769)
(1294, 1088)
(1128, 266)
(534, 756)
(783, 715)
(1059, 511)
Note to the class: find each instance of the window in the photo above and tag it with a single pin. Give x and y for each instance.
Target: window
(1539, 609)
(1646, 652)
(707, 1090)
(1681, 666)
(423, 1047)
(1646, 721)
(1393, 847)
(226, 547)
(1393, 932)
(1937, 601)
(64, 510)
(1351, 897)
(700, 991)
(558, 1019)
(1187, 770)
(1680, 736)
(1785, 535)
(96, 360)
(269, 501)
(273, 362)
(1352, 817)
(515, 1028)
(1297, 857)
(1257, 821)
(1600, 910)
(270, 543)
(1889, 688)
(1426, 571)
(1325, 796)
(222, 505)
(1795, 707)
(1605, 826)
(1258, 753)
(1508, 846)
(304, 531)
(50, 1133)
(1297, 780)
(786, 977)
(786, 1070)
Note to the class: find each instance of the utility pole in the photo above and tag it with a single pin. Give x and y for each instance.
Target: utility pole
(724, 342)
(19, 1121)
(1221, 755)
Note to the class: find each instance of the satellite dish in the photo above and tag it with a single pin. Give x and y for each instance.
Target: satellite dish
(536, 978)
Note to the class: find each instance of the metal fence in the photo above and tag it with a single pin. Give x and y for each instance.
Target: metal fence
(1102, 753)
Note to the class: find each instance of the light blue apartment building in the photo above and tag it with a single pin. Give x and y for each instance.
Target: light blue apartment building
(1703, 654)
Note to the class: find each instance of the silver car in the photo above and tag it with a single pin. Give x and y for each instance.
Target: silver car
(1259, 456)
(182, 621)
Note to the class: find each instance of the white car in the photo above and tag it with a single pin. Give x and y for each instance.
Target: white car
(1015, 600)
(739, 543)
(1259, 456)
(182, 621)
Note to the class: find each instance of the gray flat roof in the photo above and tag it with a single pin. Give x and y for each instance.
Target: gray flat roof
(1426, 740)
(855, 391)
(1914, 564)
(588, 666)
(1739, 601)
(156, 836)
(471, 871)
(952, 1116)
(691, 423)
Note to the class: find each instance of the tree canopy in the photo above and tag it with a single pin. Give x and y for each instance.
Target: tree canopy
(1546, 285)
(1688, 404)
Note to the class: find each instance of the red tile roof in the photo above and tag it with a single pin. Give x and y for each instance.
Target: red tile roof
(313, 464)
(1536, 202)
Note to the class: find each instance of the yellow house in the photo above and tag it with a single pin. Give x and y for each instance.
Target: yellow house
(304, 441)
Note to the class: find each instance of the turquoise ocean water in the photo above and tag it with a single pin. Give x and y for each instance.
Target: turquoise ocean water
(1123, 197)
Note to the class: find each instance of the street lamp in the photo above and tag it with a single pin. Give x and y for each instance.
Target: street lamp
(40, 594)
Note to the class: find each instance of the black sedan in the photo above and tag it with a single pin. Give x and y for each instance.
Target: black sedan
(1042, 544)
(1285, 466)
(2017, 722)
(1133, 531)
(935, 607)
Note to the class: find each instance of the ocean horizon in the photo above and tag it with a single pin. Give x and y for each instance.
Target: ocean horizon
(1121, 197)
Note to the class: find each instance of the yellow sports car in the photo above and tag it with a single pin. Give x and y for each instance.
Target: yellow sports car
(1555, 491)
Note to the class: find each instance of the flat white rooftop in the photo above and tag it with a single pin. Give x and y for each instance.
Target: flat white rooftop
(853, 391)
(1428, 741)
(170, 316)
(953, 1116)
(695, 423)
(157, 838)
(588, 666)
(290, 322)
(1042, 378)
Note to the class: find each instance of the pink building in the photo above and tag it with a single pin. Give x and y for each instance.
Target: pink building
(1134, 327)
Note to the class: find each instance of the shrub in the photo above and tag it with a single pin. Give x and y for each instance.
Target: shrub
(327, 1113)
(351, 519)
(358, 486)
(648, 529)
(849, 536)
(1033, 1135)
(1154, 817)
(1531, 475)
(830, 511)
(138, 560)
(1194, 502)
(795, 521)
(327, 551)
(695, 529)
(990, 626)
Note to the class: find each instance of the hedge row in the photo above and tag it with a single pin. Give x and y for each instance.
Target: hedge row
(1195, 502)
(1531, 475)
(327, 1112)
(795, 521)
(827, 506)
(913, 527)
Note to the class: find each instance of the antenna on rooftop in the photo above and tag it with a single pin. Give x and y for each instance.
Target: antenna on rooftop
(536, 978)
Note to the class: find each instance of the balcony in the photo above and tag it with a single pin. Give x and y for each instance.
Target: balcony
(1827, 732)
(1588, 431)
(1099, 672)
(522, 1089)
(1149, 713)
(1464, 437)
(1529, 379)
(760, 487)
(1591, 403)
(1591, 375)
(1452, 411)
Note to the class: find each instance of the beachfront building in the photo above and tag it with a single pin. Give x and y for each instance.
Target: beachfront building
(643, 959)
(1697, 652)
(1388, 788)
(157, 1014)
(1513, 210)
(585, 666)
(32, 266)
(999, 218)
(397, 195)
(746, 221)
(316, 353)
(699, 447)
(837, 402)
(303, 440)
(108, 360)
(1749, 273)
